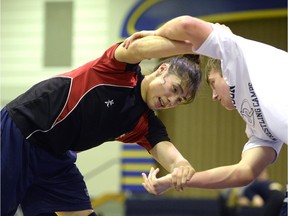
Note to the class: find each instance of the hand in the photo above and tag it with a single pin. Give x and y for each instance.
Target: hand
(135, 36)
(181, 175)
(156, 185)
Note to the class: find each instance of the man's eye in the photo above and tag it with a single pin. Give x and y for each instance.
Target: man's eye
(212, 83)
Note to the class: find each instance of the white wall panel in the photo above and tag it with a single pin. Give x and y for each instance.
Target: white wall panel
(22, 44)
(22, 39)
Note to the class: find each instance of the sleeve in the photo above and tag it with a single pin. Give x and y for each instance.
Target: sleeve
(223, 45)
(156, 130)
(218, 44)
(256, 142)
(148, 132)
(108, 64)
(137, 135)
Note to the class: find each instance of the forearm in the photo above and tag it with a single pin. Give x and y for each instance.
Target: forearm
(149, 47)
(185, 28)
(253, 162)
(174, 29)
(168, 156)
(217, 178)
(221, 177)
(181, 162)
(159, 47)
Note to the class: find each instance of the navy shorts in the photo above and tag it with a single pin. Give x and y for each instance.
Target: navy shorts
(39, 181)
(284, 210)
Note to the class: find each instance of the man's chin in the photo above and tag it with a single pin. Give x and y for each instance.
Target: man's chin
(229, 108)
(153, 107)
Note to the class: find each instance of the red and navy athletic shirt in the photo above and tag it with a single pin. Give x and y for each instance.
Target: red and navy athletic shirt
(78, 110)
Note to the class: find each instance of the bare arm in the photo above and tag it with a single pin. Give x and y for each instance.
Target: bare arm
(253, 162)
(172, 160)
(151, 47)
(183, 28)
(176, 36)
(186, 28)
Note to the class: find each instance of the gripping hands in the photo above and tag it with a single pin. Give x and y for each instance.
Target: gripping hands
(156, 185)
(176, 179)
(136, 36)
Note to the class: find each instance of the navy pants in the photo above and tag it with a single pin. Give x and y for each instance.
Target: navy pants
(41, 182)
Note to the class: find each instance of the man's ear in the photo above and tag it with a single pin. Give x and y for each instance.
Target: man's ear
(162, 68)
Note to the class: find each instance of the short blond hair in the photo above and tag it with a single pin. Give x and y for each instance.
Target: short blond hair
(208, 64)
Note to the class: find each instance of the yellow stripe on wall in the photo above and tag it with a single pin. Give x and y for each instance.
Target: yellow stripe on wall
(137, 167)
(245, 15)
(132, 180)
(135, 154)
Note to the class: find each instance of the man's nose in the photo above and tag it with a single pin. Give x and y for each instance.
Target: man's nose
(214, 96)
(173, 100)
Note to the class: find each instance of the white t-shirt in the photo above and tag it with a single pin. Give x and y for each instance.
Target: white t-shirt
(257, 75)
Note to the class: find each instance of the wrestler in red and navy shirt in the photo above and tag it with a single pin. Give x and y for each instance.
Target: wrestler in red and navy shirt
(78, 110)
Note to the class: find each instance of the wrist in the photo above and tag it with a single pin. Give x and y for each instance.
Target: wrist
(156, 33)
(169, 180)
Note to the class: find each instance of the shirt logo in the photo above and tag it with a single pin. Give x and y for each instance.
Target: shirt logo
(232, 94)
(247, 112)
(252, 112)
(109, 103)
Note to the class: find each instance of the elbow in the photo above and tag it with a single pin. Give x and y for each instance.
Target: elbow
(188, 23)
(136, 50)
(244, 181)
(245, 177)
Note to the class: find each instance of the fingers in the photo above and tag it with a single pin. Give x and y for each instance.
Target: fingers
(181, 175)
(130, 39)
(191, 172)
(127, 42)
(135, 36)
(145, 183)
(150, 180)
(177, 179)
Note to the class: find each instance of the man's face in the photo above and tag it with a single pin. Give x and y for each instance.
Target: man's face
(220, 90)
(165, 91)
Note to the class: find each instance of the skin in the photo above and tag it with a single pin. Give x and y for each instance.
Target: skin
(220, 90)
(160, 91)
(252, 162)
(257, 199)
